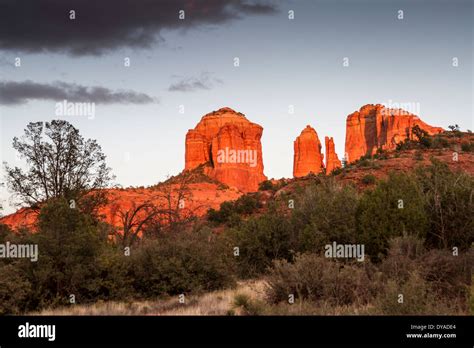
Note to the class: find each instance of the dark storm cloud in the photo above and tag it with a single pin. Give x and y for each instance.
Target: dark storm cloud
(190, 84)
(100, 26)
(12, 93)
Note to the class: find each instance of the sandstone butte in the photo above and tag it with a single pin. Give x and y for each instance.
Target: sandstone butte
(370, 128)
(332, 161)
(228, 145)
(307, 153)
(376, 127)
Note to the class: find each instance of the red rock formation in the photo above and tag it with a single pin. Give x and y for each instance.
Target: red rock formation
(229, 145)
(332, 161)
(203, 195)
(374, 127)
(307, 153)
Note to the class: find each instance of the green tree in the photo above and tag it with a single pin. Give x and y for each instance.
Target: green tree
(394, 208)
(61, 163)
(261, 240)
(449, 199)
(324, 213)
(70, 245)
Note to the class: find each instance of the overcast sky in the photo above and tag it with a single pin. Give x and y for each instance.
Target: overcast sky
(190, 62)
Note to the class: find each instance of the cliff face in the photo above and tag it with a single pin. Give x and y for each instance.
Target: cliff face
(229, 145)
(332, 161)
(374, 127)
(307, 153)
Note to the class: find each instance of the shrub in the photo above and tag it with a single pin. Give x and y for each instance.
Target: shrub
(394, 207)
(467, 147)
(447, 275)
(245, 205)
(369, 179)
(428, 277)
(449, 204)
(15, 290)
(324, 213)
(265, 185)
(337, 171)
(245, 305)
(181, 263)
(381, 154)
(364, 162)
(401, 258)
(260, 240)
(418, 299)
(439, 142)
(314, 278)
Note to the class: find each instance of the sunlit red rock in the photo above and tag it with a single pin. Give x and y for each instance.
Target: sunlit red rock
(307, 153)
(332, 161)
(376, 127)
(203, 195)
(229, 145)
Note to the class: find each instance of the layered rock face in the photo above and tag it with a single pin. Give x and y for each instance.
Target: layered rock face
(332, 161)
(229, 145)
(307, 153)
(374, 127)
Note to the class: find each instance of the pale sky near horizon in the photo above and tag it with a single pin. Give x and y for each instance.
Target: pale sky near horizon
(283, 62)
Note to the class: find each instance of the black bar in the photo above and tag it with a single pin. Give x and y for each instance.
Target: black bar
(271, 330)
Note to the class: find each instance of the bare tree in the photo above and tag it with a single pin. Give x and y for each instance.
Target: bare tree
(134, 221)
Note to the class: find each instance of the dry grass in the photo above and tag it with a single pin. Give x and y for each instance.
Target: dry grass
(213, 303)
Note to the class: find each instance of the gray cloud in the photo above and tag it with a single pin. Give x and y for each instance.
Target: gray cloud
(190, 84)
(101, 26)
(5, 62)
(12, 93)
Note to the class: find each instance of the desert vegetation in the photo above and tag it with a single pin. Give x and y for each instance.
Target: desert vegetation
(417, 228)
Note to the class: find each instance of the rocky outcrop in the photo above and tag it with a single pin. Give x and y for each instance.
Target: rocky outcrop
(376, 127)
(332, 161)
(307, 153)
(229, 146)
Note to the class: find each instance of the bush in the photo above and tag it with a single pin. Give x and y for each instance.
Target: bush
(402, 256)
(431, 282)
(435, 281)
(439, 142)
(448, 276)
(265, 185)
(229, 211)
(467, 147)
(418, 299)
(368, 179)
(449, 203)
(364, 162)
(316, 278)
(381, 154)
(261, 240)
(181, 263)
(245, 305)
(15, 291)
(325, 213)
(394, 207)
